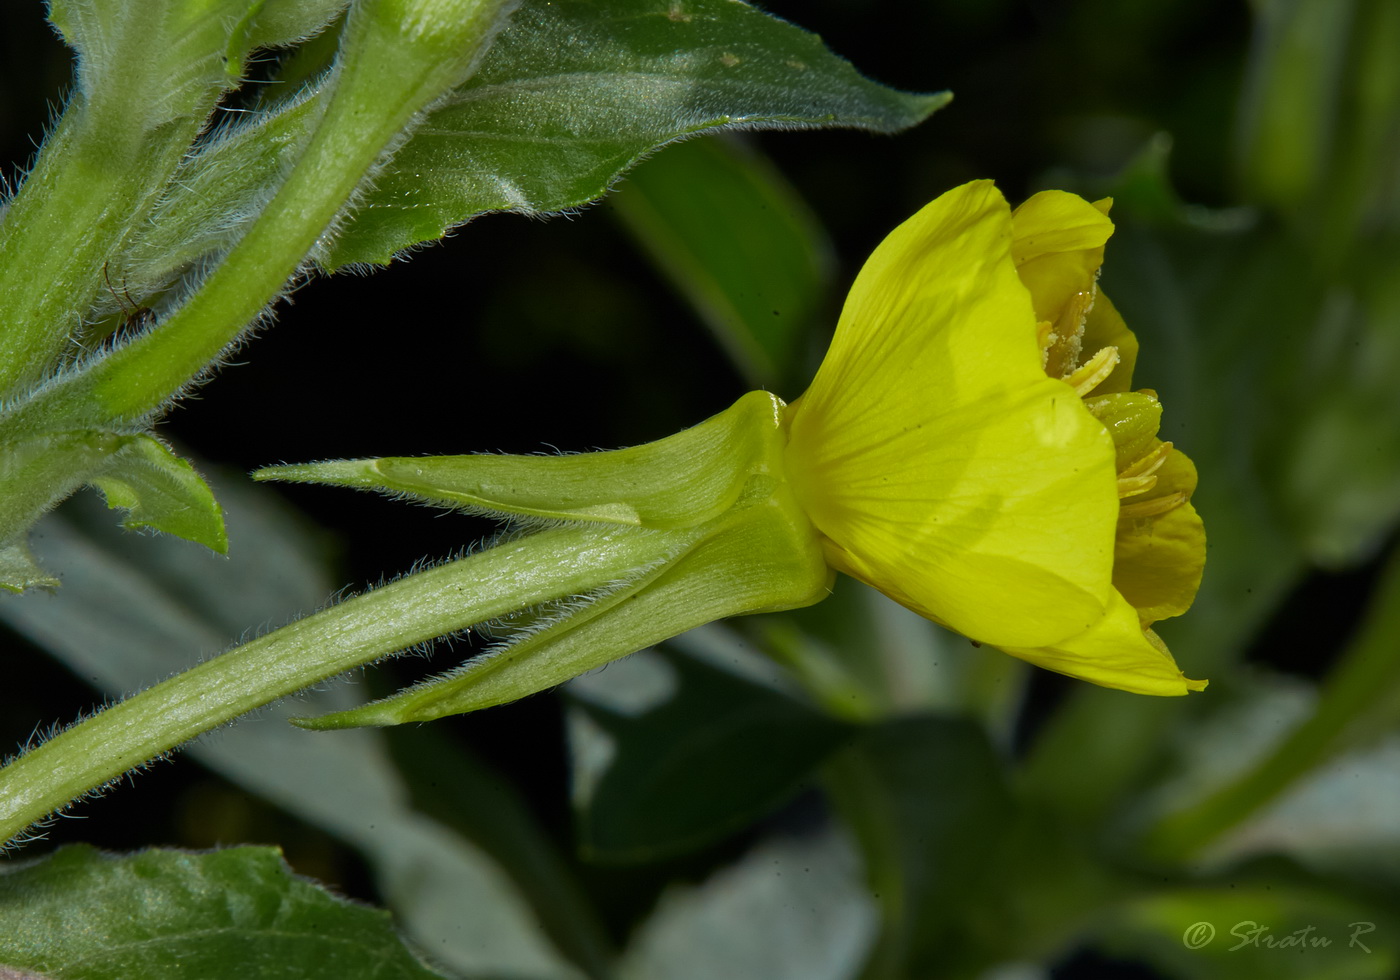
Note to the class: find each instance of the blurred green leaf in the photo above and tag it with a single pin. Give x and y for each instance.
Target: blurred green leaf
(671, 753)
(926, 799)
(1296, 82)
(1359, 702)
(1339, 820)
(463, 793)
(739, 243)
(1337, 458)
(791, 909)
(82, 915)
(865, 657)
(1225, 931)
(1320, 121)
(133, 611)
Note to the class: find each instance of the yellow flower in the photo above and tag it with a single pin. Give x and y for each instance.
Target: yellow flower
(947, 453)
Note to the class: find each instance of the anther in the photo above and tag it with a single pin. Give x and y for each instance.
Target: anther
(1094, 371)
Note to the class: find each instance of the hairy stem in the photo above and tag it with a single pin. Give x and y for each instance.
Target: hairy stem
(550, 565)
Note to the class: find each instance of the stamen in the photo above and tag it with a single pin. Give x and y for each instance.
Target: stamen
(1045, 336)
(1093, 372)
(1131, 486)
(1148, 464)
(1151, 508)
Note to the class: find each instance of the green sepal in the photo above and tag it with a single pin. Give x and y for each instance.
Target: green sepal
(277, 23)
(752, 561)
(757, 552)
(658, 485)
(163, 492)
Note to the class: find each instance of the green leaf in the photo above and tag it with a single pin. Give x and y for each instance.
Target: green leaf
(569, 96)
(168, 915)
(19, 571)
(739, 243)
(692, 752)
(217, 191)
(927, 799)
(574, 92)
(481, 804)
(190, 45)
(1297, 75)
(35, 474)
(162, 491)
(136, 472)
(1317, 140)
(1339, 819)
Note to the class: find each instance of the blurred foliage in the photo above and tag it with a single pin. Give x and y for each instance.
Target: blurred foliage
(848, 791)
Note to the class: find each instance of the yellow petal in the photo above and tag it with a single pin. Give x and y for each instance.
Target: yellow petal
(1159, 557)
(932, 451)
(1056, 222)
(1116, 652)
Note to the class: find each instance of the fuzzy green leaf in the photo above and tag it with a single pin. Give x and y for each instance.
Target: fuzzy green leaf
(136, 472)
(190, 45)
(162, 491)
(35, 474)
(575, 92)
(569, 96)
(169, 915)
(19, 570)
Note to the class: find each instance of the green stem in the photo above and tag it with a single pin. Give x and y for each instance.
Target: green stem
(99, 174)
(386, 75)
(1360, 702)
(550, 565)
